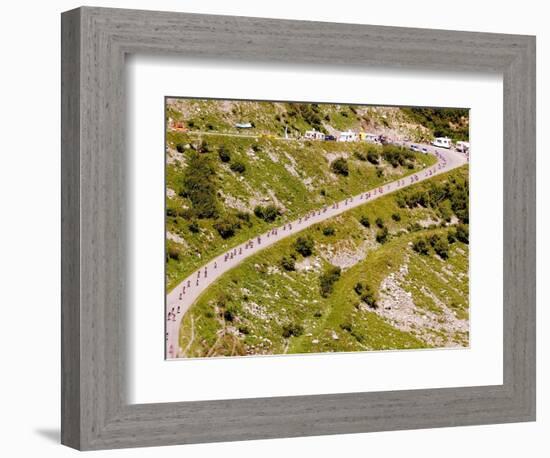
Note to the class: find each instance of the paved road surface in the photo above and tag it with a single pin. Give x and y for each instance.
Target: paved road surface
(180, 299)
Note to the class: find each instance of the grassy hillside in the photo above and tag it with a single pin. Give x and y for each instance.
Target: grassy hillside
(415, 124)
(391, 274)
(215, 183)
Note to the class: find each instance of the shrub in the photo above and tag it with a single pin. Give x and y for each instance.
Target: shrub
(245, 217)
(366, 293)
(463, 233)
(440, 245)
(382, 235)
(451, 236)
(421, 246)
(365, 221)
(203, 147)
(199, 186)
(292, 329)
(237, 167)
(340, 167)
(228, 315)
(379, 172)
(396, 217)
(268, 213)
(194, 227)
(346, 326)
(223, 154)
(288, 263)
(379, 222)
(327, 280)
(373, 157)
(173, 252)
(328, 230)
(180, 147)
(227, 226)
(304, 245)
(223, 300)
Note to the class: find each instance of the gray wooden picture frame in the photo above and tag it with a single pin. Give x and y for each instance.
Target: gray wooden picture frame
(95, 411)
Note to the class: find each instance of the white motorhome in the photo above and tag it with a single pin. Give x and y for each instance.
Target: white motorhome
(348, 136)
(314, 135)
(463, 147)
(442, 142)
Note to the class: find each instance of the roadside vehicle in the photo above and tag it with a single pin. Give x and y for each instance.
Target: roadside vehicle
(442, 142)
(414, 148)
(425, 150)
(330, 138)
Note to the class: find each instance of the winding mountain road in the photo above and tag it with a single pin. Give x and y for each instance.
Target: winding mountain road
(182, 297)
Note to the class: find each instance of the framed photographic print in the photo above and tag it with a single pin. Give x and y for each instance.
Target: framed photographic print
(285, 228)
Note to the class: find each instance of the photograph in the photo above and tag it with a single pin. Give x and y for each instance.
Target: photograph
(296, 228)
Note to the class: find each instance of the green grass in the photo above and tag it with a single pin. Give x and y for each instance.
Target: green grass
(294, 175)
(263, 298)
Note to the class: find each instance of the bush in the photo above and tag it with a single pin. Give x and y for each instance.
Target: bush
(228, 315)
(328, 230)
(173, 252)
(340, 167)
(288, 263)
(373, 157)
(203, 147)
(367, 294)
(421, 246)
(268, 213)
(463, 233)
(304, 245)
(292, 329)
(396, 217)
(440, 245)
(194, 227)
(180, 147)
(451, 236)
(365, 221)
(382, 235)
(237, 167)
(199, 186)
(223, 154)
(379, 222)
(245, 217)
(327, 280)
(227, 226)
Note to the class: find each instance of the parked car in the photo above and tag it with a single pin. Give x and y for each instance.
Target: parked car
(413, 148)
(425, 150)
(331, 138)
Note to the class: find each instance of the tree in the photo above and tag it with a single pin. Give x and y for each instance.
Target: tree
(340, 167)
(365, 221)
(180, 148)
(327, 280)
(379, 222)
(199, 186)
(396, 217)
(304, 245)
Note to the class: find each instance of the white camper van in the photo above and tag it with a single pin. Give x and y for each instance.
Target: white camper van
(442, 142)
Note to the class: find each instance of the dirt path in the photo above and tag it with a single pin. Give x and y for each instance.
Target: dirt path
(182, 297)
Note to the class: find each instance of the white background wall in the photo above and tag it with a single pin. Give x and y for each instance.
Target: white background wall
(29, 228)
